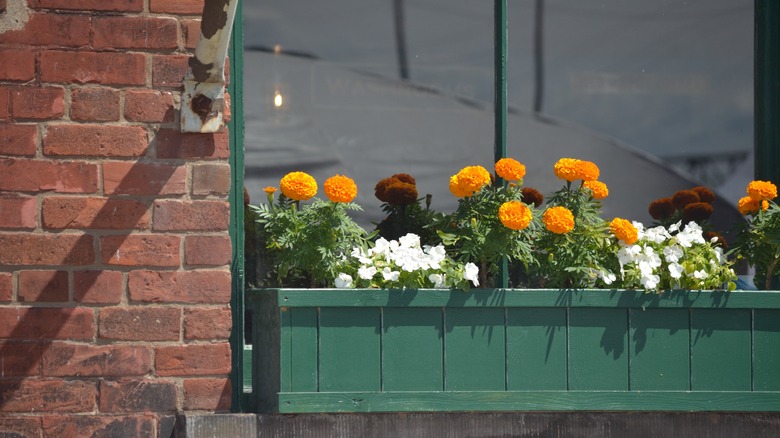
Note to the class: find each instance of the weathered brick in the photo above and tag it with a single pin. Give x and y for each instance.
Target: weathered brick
(5, 103)
(109, 68)
(174, 144)
(6, 286)
(169, 70)
(177, 6)
(137, 396)
(207, 250)
(193, 360)
(39, 103)
(207, 323)
(190, 32)
(98, 426)
(91, 5)
(170, 215)
(43, 286)
(97, 287)
(64, 359)
(20, 65)
(53, 29)
(140, 250)
(47, 323)
(140, 178)
(149, 106)
(135, 33)
(18, 139)
(18, 212)
(94, 213)
(211, 179)
(207, 394)
(20, 427)
(94, 105)
(20, 359)
(46, 249)
(95, 140)
(25, 175)
(33, 395)
(140, 323)
(206, 287)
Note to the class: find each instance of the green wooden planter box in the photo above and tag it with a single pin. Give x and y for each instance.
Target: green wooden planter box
(326, 350)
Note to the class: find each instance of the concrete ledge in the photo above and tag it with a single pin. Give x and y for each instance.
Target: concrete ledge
(216, 426)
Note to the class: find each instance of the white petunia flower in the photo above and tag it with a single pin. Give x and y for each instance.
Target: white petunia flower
(438, 280)
(650, 281)
(675, 270)
(471, 273)
(673, 253)
(366, 272)
(700, 274)
(410, 240)
(390, 275)
(343, 281)
(607, 277)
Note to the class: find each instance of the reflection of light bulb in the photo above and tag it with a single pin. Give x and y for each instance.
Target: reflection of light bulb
(277, 49)
(278, 99)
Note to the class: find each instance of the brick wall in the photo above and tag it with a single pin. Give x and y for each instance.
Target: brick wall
(114, 251)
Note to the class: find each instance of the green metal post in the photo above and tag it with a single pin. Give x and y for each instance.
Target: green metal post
(767, 90)
(500, 101)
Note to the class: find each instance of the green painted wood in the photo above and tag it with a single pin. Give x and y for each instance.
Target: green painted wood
(767, 90)
(349, 350)
(474, 350)
(531, 401)
(303, 350)
(720, 350)
(266, 351)
(659, 347)
(412, 349)
(536, 349)
(500, 106)
(766, 350)
(598, 355)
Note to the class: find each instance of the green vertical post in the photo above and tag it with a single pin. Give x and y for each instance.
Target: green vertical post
(767, 90)
(500, 102)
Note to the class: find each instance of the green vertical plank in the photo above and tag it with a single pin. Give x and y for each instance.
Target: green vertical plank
(767, 90)
(598, 355)
(536, 349)
(349, 349)
(720, 350)
(412, 347)
(660, 350)
(500, 26)
(474, 350)
(303, 350)
(766, 350)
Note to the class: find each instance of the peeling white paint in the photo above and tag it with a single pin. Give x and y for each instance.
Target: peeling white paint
(15, 17)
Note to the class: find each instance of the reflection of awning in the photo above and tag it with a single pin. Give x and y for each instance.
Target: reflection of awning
(335, 120)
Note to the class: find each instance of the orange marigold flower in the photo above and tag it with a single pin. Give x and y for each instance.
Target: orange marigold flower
(469, 181)
(762, 190)
(532, 196)
(705, 194)
(748, 205)
(298, 186)
(587, 170)
(599, 189)
(510, 169)
(661, 208)
(401, 193)
(270, 190)
(697, 212)
(340, 188)
(566, 168)
(684, 197)
(405, 177)
(624, 230)
(515, 215)
(559, 220)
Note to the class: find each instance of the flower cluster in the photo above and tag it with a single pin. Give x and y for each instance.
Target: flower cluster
(405, 215)
(758, 239)
(469, 181)
(684, 206)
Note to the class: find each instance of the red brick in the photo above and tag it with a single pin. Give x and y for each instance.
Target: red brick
(98, 287)
(18, 212)
(190, 32)
(6, 286)
(137, 396)
(18, 139)
(5, 103)
(43, 286)
(135, 33)
(140, 323)
(193, 360)
(20, 359)
(149, 106)
(20, 427)
(62, 359)
(95, 140)
(206, 287)
(207, 250)
(94, 104)
(47, 323)
(140, 250)
(47, 396)
(174, 144)
(18, 65)
(139, 178)
(169, 215)
(94, 213)
(169, 70)
(207, 394)
(107, 68)
(40, 103)
(91, 5)
(207, 323)
(46, 249)
(51, 30)
(25, 175)
(211, 179)
(177, 6)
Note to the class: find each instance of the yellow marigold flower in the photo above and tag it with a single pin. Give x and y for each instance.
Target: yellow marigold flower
(748, 205)
(298, 186)
(624, 230)
(515, 215)
(270, 190)
(340, 188)
(599, 189)
(587, 170)
(469, 181)
(510, 169)
(566, 168)
(559, 220)
(761, 190)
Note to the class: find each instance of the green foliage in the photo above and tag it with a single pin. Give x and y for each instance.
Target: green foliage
(412, 218)
(758, 242)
